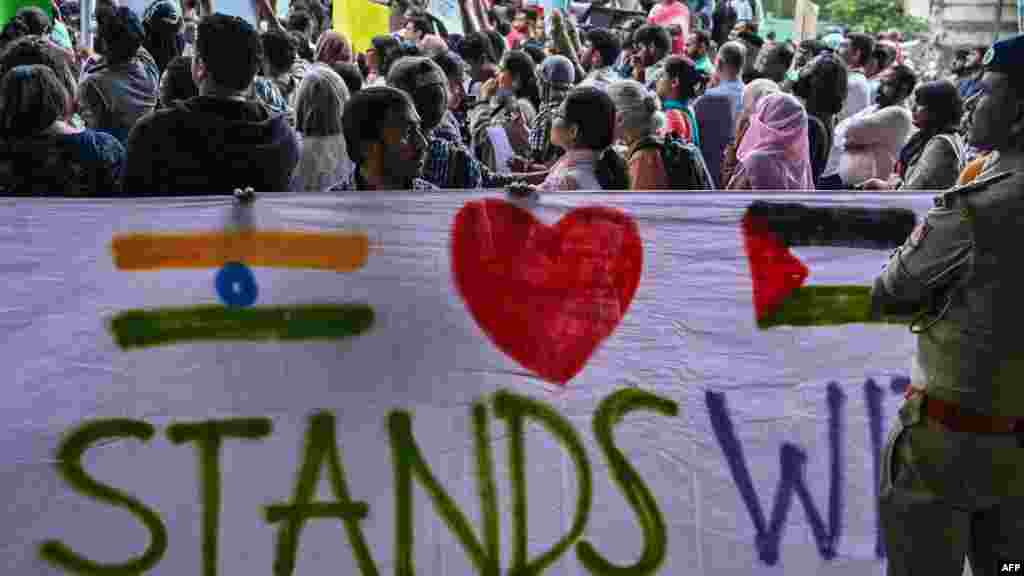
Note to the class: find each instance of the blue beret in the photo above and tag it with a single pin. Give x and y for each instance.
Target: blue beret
(1005, 55)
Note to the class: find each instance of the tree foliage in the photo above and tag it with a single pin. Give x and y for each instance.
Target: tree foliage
(871, 16)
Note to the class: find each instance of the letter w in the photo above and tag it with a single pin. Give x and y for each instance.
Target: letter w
(793, 479)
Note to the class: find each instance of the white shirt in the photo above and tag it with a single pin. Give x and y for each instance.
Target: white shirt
(878, 135)
(858, 97)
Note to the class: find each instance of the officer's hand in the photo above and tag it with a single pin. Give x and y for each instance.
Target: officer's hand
(874, 184)
(522, 190)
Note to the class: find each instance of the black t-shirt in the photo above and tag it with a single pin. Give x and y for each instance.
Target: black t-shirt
(820, 140)
(206, 146)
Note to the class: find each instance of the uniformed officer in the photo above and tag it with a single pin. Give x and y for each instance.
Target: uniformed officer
(952, 482)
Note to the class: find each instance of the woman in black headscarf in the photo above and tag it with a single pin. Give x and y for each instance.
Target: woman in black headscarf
(933, 157)
(164, 27)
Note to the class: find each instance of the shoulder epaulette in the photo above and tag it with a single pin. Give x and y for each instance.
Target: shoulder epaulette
(946, 199)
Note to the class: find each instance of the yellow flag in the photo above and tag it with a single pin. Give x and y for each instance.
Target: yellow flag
(360, 21)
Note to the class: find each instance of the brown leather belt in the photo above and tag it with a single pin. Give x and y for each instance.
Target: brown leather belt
(959, 419)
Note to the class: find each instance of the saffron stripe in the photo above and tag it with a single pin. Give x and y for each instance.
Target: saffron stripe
(266, 248)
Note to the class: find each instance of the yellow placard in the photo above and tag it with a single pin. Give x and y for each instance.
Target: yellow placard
(360, 21)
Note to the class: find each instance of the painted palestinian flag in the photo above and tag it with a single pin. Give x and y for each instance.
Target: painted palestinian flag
(780, 297)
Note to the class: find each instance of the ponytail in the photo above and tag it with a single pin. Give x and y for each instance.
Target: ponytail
(611, 171)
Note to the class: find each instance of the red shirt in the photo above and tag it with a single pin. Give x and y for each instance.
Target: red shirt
(674, 13)
(679, 124)
(514, 38)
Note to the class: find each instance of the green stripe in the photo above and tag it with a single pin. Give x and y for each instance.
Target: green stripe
(827, 306)
(145, 328)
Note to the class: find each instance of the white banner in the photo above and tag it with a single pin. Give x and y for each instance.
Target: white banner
(468, 383)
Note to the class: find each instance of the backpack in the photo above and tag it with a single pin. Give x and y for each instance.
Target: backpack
(683, 161)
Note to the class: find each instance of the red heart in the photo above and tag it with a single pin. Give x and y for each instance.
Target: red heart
(546, 295)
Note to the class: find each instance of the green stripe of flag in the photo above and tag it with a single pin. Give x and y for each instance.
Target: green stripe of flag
(145, 328)
(827, 306)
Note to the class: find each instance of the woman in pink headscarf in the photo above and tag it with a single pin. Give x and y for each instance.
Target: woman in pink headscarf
(774, 153)
(333, 47)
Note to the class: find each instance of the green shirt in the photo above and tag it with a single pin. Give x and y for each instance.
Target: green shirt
(60, 35)
(704, 65)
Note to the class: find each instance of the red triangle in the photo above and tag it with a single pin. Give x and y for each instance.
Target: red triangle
(775, 271)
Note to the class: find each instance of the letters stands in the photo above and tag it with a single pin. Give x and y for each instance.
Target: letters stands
(449, 381)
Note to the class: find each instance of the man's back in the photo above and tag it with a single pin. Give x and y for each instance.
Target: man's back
(210, 145)
(732, 89)
(114, 96)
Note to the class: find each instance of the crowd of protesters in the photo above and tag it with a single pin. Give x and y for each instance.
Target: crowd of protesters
(168, 103)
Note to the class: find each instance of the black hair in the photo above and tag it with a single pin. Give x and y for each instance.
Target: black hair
(388, 50)
(904, 77)
(881, 57)
(945, 107)
(119, 33)
(476, 47)
(31, 99)
(350, 73)
(303, 48)
(365, 114)
(733, 54)
(683, 69)
(497, 43)
(299, 20)
(524, 69)
(785, 54)
(593, 111)
(431, 100)
(822, 85)
(38, 50)
(364, 68)
(861, 42)
(279, 49)
(230, 49)
(703, 36)
(535, 52)
(656, 36)
(422, 25)
(176, 82)
(501, 26)
(314, 11)
(35, 19)
(751, 38)
(452, 66)
(14, 29)
(813, 46)
(606, 44)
